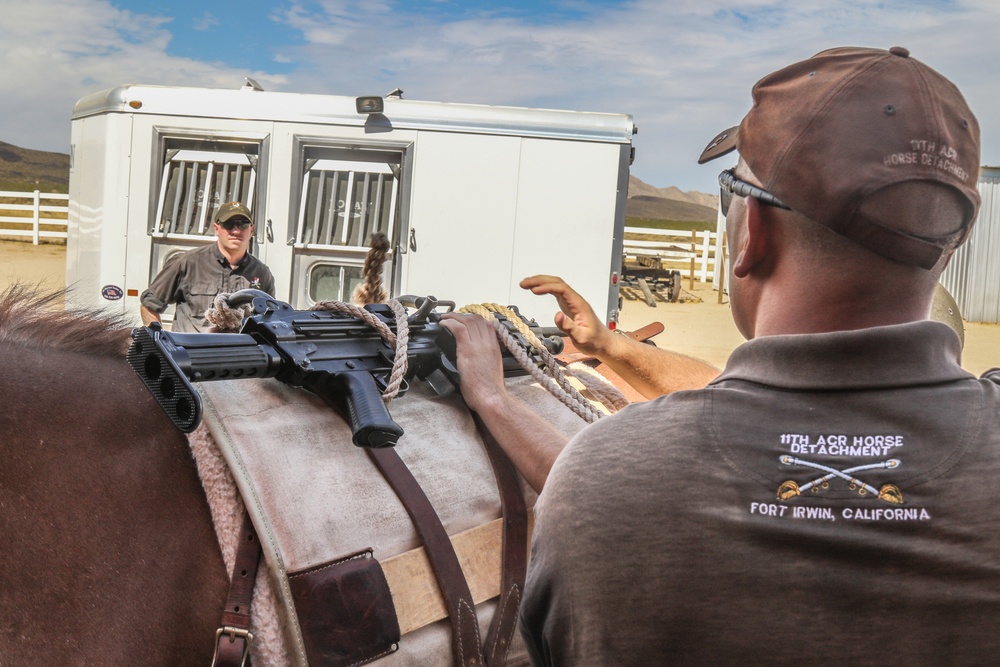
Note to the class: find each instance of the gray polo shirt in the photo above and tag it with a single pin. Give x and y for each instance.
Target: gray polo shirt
(192, 280)
(830, 498)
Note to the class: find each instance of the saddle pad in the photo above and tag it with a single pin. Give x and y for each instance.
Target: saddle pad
(315, 497)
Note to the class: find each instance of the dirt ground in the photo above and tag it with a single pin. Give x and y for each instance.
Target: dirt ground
(698, 325)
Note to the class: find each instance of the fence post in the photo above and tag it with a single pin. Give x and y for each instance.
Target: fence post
(694, 255)
(35, 214)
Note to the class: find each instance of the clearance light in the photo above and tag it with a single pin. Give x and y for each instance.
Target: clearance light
(135, 104)
(614, 278)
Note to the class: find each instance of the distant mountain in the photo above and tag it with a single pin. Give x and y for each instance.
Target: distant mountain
(645, 201)
(26, 169)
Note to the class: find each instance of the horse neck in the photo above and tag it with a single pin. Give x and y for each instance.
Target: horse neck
(99, 496)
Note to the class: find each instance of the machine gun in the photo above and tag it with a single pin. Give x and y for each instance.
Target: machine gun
(332, 354)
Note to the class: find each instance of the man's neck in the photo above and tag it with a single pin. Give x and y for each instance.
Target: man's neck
(233, 258)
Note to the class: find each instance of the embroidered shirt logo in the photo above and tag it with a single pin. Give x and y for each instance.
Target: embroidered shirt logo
(890, 493)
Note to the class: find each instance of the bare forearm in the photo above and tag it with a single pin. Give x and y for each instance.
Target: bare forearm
(654, 371)
(148, 316)
(531, 442)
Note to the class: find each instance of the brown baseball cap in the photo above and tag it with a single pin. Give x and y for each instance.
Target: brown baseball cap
(826, 133)
(233, 209)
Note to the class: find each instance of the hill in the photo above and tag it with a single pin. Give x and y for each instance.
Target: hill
(650, 203)
(26, 169)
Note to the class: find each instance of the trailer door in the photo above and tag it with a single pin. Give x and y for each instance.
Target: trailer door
(194, 182)
(346, 195)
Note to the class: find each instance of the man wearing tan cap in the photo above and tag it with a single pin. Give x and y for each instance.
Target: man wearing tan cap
(192, 279)
(831, 497)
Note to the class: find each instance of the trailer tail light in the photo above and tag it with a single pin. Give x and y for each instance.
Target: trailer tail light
(612, 325)
(614, 278)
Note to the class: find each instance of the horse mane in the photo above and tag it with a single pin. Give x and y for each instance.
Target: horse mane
(32, 317)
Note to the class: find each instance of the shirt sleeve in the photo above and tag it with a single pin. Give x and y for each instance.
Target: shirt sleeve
(163, 290)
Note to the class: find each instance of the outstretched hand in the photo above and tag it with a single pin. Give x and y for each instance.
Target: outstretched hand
(577, 319)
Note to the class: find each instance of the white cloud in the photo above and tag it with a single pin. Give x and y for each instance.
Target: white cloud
(682, 68)
(56, 51)
(205, 23)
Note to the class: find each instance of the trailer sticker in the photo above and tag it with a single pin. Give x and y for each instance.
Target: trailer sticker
(112, 292)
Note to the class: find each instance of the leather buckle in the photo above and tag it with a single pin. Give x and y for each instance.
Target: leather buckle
(233, 634)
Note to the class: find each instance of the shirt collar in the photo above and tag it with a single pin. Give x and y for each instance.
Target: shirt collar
(915, 353)
(223, 260)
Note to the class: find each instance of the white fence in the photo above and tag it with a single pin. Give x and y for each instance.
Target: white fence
(689, 251)
(24, 214)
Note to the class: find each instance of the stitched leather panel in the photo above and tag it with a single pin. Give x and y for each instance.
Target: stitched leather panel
(345, 611)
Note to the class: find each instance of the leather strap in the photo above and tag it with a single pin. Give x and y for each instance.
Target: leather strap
(514, 563)
(233, 638)
(440, 553)
(466, 645)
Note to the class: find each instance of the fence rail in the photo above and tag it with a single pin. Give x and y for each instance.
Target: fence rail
(686, 250)
(25, 214)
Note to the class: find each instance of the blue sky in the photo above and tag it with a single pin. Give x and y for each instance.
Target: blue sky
(682, 68)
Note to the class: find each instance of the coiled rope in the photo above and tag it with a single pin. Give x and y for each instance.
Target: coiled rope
(552, 376)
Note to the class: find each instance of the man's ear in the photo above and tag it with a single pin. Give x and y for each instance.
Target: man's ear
(756, 240)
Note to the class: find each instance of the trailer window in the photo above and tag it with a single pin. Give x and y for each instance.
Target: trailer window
(196, 181)
(329, 282)
(345, 201)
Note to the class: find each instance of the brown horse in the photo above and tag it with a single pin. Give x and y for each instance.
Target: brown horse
(108, 552)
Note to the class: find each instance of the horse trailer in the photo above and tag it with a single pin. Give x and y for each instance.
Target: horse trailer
(472, 197)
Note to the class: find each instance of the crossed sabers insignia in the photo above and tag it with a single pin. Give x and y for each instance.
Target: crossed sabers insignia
(889, 492)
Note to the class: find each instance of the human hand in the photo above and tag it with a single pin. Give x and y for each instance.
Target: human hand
(478, 359)
(577, 319)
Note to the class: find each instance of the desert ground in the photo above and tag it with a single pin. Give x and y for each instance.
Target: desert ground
(697, 325)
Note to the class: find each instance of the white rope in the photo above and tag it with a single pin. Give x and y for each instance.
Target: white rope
(224, 317)
(551, 376)
(398, 341)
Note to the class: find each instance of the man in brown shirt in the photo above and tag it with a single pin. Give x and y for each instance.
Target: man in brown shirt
(830, 496)
(192, 279)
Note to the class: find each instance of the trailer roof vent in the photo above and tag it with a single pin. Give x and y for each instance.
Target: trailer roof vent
(252, 85)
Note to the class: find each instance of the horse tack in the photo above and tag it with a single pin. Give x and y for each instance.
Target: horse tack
(498, 638)
(468, 651)
(233, 639)
(360, 634)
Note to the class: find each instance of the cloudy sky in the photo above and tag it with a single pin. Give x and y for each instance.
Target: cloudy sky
(682, 68)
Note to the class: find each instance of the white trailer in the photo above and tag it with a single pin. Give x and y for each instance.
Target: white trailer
(473, 197)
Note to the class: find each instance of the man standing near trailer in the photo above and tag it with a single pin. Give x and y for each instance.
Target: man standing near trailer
(830, 496)
(192, 279)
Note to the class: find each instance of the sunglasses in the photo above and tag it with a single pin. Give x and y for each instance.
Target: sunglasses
(730, 185)
(230, 225)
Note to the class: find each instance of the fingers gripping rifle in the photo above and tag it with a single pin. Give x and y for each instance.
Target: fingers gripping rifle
(334, 355)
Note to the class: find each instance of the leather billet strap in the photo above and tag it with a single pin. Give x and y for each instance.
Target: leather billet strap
(440, 553)
(467, 648)
(233, 638)
(514, 563)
